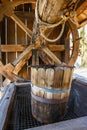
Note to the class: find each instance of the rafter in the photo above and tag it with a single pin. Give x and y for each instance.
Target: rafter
(81, 8)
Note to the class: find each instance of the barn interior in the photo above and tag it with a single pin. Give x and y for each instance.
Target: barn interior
(38, 86)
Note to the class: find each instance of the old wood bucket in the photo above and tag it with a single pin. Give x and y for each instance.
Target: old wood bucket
(50, 91)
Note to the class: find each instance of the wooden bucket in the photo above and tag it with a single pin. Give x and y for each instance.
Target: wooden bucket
(50, 91)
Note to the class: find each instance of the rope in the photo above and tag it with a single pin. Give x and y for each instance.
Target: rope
(54, 40)
(62, 21)
(49, 25)
(72, 16)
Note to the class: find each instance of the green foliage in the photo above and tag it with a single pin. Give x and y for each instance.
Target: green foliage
(83, 46)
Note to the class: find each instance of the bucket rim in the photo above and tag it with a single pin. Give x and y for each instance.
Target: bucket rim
(48, 66)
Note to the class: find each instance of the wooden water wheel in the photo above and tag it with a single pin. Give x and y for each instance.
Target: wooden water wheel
(49, 40)
(48, 18)
(48, 44)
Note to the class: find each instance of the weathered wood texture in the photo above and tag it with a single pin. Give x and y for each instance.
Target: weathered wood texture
(7, 7)
(6, 72)
(45, 58)
(12, 48)
(51, 55)
(49, 14)
(50, 88)
(21, 24)
(48, 10)
(47, 113)
(57, 78)
(76, 43)
(21, 48)
(19, 42)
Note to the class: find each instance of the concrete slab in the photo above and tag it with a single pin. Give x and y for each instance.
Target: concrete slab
(4, 104)
(74, 124)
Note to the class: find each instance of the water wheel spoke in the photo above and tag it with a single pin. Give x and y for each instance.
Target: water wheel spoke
(51, 55)
(21, 24)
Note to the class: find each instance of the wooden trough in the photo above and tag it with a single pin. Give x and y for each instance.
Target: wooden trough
(50, 92)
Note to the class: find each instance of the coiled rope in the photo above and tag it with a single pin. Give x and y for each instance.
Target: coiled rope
(56, 39)
(62, 22)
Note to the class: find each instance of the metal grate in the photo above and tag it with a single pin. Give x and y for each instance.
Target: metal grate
(70, 114)
(20, 116)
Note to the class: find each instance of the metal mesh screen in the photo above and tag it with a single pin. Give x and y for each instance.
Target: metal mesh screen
(20, 117)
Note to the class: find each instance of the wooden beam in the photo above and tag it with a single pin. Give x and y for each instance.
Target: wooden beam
(21, 48)
(56, 47)
(19, 2)
(17, 68)
(7, 7)
(49, 13)
(81, 8)
(12, 48)
(10, 68)
(82, 23)
(76, 43)
(21, 24)
(23, 54)
(51, 55)
(44, 57)
(21, 60)
(6, 73)
(17, 65)
(26, 15)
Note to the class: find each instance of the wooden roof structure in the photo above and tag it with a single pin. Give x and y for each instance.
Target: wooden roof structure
(82, 13)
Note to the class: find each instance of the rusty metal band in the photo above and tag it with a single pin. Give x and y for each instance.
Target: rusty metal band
(49, 101)
(59, 67)
(51, 90)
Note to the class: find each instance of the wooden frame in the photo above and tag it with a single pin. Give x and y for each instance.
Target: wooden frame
(27, 51)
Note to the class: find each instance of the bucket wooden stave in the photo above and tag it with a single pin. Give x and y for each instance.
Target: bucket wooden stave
(50, 92)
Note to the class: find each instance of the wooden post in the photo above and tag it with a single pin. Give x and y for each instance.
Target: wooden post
(1, 78)
(26, 33)
(26, 40)
(6, 38)
(16, 36)
(35, 58)
(23, 7)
